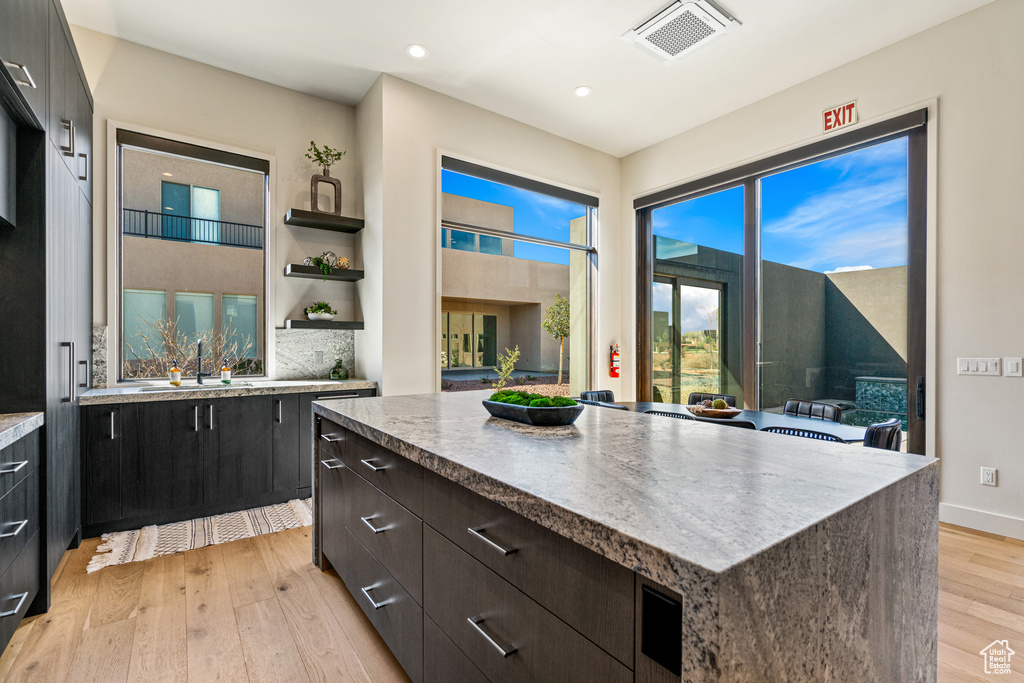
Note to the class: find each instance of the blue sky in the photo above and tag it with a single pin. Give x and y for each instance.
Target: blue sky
(842, 213)
(537, 215)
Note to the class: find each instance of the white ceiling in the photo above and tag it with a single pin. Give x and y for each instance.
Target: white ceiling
(523, 58)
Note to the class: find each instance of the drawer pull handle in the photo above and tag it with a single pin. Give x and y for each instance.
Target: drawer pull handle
(376, 605)
(476, 532)
(11, 613)
(374, 529)
(14, 467)
(373, 467)
(331, 438)
(475, 623)
(332, 464)
(28, 81)
(10, 534)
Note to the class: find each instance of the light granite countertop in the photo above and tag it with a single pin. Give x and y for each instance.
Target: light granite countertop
(214, 389)
(663, 497)
(14, 426)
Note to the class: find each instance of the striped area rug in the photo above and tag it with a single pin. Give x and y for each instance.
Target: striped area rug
(122, 547)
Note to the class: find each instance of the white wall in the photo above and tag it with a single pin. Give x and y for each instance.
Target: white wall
(154, 90)
(418, 125)
(974, 67)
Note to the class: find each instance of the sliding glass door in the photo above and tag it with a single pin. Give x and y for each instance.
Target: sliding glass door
(799, 276)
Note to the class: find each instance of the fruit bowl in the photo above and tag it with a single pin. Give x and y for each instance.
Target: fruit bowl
(716, 413)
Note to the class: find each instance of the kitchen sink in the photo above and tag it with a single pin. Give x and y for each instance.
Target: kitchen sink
(199, 387)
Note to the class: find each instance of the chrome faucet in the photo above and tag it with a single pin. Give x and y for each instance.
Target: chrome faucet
(199, 371)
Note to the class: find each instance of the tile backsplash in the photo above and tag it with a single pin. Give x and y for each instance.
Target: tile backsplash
(309, 354)
(99, 356)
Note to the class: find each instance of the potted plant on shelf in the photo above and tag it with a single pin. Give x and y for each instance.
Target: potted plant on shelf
(339, 371)
(324, 157)
(320, 310)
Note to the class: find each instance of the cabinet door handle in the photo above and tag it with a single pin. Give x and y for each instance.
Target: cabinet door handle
(28, 81)
(195, 418)
(211, 416)
(11, 613)
(374, 529)
(83, 175)
(376, 605)
(331, 438)
(69, 149)
(475, 623)
(10, 534)
(111, 425)
(278, 411)
(477, 531)
(14, 467)
(85, 384)
(373, 467)
(70, 398)
(336, 466)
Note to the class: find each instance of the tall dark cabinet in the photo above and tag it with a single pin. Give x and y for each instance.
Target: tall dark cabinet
(46, 256)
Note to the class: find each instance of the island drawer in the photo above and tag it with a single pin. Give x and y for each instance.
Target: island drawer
(18, 460)
(392, 534)
(590, 593)
(508, 636)
(442, 661)
(394, 475)
(391, 610)
(19, 519)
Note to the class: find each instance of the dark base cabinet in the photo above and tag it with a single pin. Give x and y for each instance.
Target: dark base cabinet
(21, 559)
(481, 593)
(165, 461)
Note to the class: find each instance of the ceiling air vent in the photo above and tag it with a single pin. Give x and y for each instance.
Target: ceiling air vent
(681, 28)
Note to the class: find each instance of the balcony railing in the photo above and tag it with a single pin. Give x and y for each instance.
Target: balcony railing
(168, 226)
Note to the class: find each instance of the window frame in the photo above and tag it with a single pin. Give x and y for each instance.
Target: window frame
(122, 134)
(913, 126)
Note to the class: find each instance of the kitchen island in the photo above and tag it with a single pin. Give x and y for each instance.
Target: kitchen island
(650, 549)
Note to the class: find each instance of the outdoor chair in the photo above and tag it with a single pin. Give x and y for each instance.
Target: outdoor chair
(887, 435)
(603, 395)
(603, 404)
(812, 410)
(696, 397)
(805, 433)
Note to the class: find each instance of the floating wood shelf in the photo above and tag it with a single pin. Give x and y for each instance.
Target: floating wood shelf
(322, 325)
(323, 221)
(314, 273)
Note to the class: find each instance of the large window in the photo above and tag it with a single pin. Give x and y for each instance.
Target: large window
(796, 277)
(192, 223)
(514, 253)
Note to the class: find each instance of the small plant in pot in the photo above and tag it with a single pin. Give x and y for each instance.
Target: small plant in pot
(320, 310)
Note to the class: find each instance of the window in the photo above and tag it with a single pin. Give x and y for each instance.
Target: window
(512, 249)
(191, 252)
(798, 276)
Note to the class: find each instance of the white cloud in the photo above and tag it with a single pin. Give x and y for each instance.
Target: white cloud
(847, 269)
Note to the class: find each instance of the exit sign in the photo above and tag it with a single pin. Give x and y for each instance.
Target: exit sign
(839, 117)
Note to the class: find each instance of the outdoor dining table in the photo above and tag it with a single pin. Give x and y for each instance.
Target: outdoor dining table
(761, 419)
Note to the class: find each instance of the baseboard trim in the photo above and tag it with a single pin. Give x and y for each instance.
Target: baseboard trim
(983, 521)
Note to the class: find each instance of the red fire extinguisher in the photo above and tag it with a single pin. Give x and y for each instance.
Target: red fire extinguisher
(616, 363)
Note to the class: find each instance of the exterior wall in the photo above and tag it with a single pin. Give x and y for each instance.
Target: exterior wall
(501, 312)
(484, 214)
(242, 193)
(973, 94)
(880, 295)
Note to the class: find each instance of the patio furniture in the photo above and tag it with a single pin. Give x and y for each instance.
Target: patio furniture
(812, 410)
(696, 397)
(805, 433)
(602, 395)
(680, 416)
(739, 424)
(603, 404)
(887, 435)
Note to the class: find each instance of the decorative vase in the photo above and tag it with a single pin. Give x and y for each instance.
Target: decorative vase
(320, 316)
(314, 185)
(342, 263)
(339, 371)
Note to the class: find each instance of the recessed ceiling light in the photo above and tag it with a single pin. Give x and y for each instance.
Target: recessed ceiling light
(417, 51)
(582, 91)
(169, 175)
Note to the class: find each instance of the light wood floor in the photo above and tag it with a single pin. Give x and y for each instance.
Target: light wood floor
(258, 610)
(250, 610)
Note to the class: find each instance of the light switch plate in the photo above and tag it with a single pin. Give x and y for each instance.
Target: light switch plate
(979, 366)
(1012, 367)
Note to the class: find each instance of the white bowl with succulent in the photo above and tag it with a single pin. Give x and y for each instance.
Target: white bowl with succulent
(320, 310)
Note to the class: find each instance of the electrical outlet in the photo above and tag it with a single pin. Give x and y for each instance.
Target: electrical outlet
(318, 357)
(989, 476)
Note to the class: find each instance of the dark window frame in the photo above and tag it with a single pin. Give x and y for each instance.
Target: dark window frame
(913, 126)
